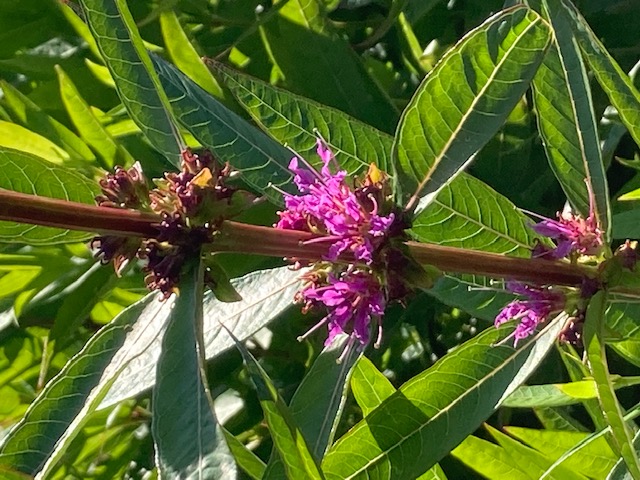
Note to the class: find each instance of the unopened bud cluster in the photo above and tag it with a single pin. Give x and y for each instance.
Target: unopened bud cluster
(190, 205)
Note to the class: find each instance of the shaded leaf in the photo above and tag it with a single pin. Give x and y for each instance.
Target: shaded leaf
(189, 441)
(138, 86)
(261, 160)
(567, 122)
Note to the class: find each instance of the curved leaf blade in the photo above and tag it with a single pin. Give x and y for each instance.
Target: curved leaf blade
(33, 439)
(262, 161)
(26, 173)
(318, 402)
(567, 122)
(594, 346)
(266, 294)
(463, 102)
(121, 47)
(424, 420)
(294, 120)
(189, 441)
(287, 437)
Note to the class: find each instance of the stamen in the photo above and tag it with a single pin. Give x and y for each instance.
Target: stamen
(313, 329)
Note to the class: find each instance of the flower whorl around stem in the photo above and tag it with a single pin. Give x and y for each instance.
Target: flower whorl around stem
(190, 204)
(350, 221)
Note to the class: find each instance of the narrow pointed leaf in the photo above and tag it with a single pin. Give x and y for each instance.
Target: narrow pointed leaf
(31, 116)
(33, 439)
(184, 55)
(26, 173)
(596, 356)
(595, 460)
(567, 121)
(620, 471)
(245, 458)
(266, 294)
(464, 101)
(189, 441)
(293, 120)
(17, 137)
(287, 437)
(529, 461)
(622, 93)
(119, 42)
(262, 161)
(439, 407)
(488, 459)
(318, 402)
(370, 387)
(89, 127)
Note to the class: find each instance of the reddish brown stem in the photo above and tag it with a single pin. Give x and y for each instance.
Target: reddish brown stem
(243, 238)
(53, 212)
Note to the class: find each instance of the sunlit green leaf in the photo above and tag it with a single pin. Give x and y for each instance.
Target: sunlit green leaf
(465, 100)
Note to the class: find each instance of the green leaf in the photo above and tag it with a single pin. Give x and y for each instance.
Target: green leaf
(138, 86)
(470, 214)
(89, 127)
(597, 360)
(246, 459)
(33, 439)
(465, 100)
(551, 395)
(189, 441)
(488, 459)
(26, 173)
(318, 402)
(446, 402)
(620, 471)
(294, 120)
(261, 160)
(287, 437)
(266, 294)
(184, 55)
(624, 96)
(626, 224)
(13, 136)
(594, 460)
(567, 122)
(318, 63)
(529, 461)
(31, 116)
(369, 386)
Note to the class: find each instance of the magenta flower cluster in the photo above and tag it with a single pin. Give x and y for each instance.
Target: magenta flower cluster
(328, 206)
(535, 308)
(350, 222)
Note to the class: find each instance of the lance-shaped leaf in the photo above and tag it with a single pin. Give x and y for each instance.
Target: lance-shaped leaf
(463, 102)
(262, 161)
(91, 130)
(370, 387)
(33, 439)
(622, 442)
(622, 93)
(287, 437)
(189, 441)
(123, 51)
(488, 459)
(567, 121)
(27, 173)
(318, 402)
(296, 121)
(265, 294)
(433, 412)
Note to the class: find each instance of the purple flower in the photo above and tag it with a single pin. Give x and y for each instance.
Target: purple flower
(328, 206)
(572, 234)
(354, 300)
(540, 302)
